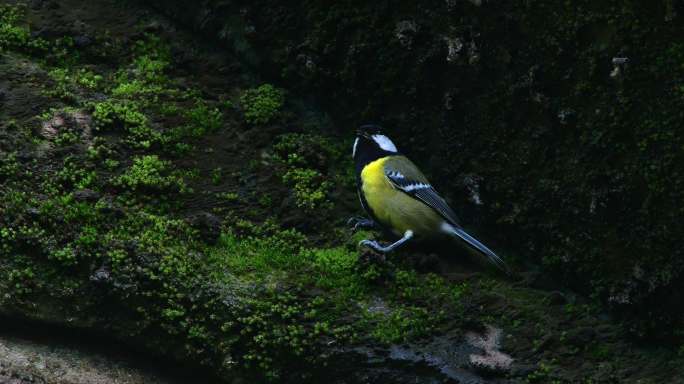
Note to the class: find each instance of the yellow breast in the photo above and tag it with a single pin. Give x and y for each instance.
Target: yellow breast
(393, 208)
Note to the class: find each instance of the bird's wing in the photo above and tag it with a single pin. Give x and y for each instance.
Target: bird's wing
(406, 177)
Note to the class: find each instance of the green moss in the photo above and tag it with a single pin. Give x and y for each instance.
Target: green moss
(262, 104)
(312, 165)
(310, 188)
(73, 174)
(112, 113)
(16, 37)
(9, 166)
(150, 172)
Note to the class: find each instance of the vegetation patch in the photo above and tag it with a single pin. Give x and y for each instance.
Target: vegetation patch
(262, 104)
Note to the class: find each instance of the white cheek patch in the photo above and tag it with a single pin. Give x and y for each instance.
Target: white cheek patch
(384, 143)
(356, 142)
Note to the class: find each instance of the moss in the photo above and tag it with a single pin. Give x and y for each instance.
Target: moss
(262, 104)
(309, 187)
(152, 173)
(112, 114)
(14, 36)
(313, 164)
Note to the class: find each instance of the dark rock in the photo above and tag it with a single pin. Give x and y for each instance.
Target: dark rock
(582, 336)
(429, 262)
(88, 195)
(556, 298)
(546, 341)
(3, 95)
(26, 155)
(37, 4)
(101, 275)
(522, 370)
(110, 208)
(82, 41)
(208, 225)
(33, 213)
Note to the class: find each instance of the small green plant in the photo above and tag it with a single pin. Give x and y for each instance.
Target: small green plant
(309, 187)
(150, 172)
(150, 68)
(61, 87)
(111, 164)
(15, 37)
(262, 104)
(230, 197)
(9, 166)
(66, 138)
(111, 114)
(216, 175)
(66, 255)
(74, 175)
(203, 119)
(88, 79)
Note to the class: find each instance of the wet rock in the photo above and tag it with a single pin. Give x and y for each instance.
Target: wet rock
(82, 41)
(472, 184)
(108, 207)
(154, 26)
(522, 370)
(33, 213)
(49, 359)
(208, 225)
(566, 116)
(582, 336)
(101, 275)
(86, 195)
(619, 67)
(454, 48)
(405, 31)
(26, 155)
(546, 341)
(556, 298)
(37, 4)
(492, 360)
(429, 262)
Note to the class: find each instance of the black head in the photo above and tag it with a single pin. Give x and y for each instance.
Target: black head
(371, 144)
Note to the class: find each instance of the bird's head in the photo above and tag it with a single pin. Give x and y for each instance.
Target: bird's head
(371, 144)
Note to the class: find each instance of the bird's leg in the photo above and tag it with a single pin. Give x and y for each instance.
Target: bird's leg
(361, 223)
(389, 248)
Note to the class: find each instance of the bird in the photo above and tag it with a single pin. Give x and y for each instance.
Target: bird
(399, 199)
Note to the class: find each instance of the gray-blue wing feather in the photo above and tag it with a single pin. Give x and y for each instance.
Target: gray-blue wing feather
(406, 177)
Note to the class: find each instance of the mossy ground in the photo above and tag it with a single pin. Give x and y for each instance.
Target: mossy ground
(153, 190)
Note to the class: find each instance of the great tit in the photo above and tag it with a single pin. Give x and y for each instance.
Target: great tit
(399, 198)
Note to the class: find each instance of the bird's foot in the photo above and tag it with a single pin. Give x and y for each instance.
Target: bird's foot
(374, 245)
(357, 223)
(388, 248)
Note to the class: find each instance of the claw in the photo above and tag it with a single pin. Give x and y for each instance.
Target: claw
(359, 223)
(370, 244)
(389, 248)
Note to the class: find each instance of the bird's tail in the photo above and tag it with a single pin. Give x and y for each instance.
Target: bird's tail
(478, 246)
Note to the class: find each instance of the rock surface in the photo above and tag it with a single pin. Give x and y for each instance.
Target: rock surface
(573, 163)
(144, 197)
